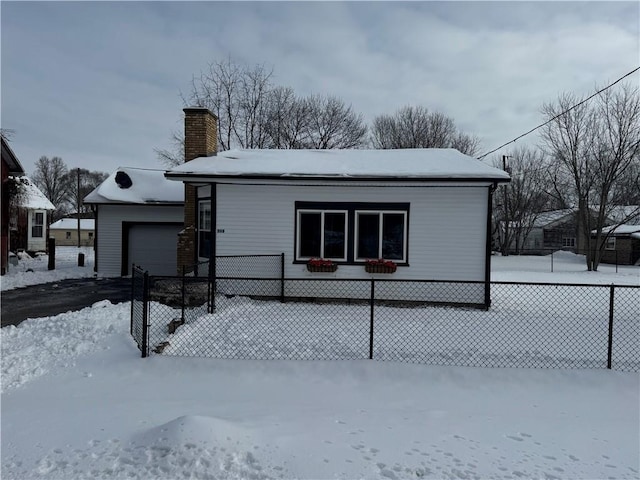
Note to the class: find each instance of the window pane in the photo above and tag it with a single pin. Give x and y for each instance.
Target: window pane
(205, 216)
(334, 234)
(204, 244)
(310, 230)
(39, 218)
(368, 235)
(36, 231)
(393, 236)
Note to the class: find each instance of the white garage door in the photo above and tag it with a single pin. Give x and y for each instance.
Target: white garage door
(154, 248)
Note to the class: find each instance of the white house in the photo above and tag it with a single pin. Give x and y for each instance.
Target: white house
(427, 210)
(29, 222)
(138, 215)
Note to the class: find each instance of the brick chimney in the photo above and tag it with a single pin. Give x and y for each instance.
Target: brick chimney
(200, 140)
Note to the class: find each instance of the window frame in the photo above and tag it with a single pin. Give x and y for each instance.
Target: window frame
(381, 214)
(610, 243)
(201, 229)
(322, 212)
(350, 232)
(565, 242)
(67, 235)
(37, 224)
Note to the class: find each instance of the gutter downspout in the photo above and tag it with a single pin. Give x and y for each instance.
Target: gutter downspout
(487, 262)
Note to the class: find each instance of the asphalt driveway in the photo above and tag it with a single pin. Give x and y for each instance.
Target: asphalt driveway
(61, 296)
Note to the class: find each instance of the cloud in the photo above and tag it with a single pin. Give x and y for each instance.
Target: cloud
(98, 83)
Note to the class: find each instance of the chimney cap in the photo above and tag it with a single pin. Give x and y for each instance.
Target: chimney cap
(196, 110)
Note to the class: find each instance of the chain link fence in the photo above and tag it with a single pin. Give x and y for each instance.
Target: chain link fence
(529, 325)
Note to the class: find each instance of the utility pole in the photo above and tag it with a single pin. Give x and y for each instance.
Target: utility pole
(78, 206)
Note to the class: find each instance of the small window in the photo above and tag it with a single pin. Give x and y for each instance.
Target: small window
(67, 235)
(90, 234)
(610, 243)
(381, 235)
(204, 229)
(322, 234)
(569, 242)
(37, 225)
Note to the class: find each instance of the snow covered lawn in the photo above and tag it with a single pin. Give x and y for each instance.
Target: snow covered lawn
(79, 403)
(34, 271)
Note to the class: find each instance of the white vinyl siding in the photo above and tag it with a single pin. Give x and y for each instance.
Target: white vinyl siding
(109, 227)
(260, 219)
(36, 228)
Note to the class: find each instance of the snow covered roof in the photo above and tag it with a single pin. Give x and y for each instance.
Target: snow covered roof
(72, 224)
(623, 229)
(545, 218)
(13, 164)
(33, 198)
(138, 186)
(410, 164)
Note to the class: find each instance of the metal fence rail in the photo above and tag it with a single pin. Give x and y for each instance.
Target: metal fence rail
(528, 325)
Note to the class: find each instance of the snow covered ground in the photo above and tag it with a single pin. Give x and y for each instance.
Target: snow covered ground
(78, 402)
(33, 271)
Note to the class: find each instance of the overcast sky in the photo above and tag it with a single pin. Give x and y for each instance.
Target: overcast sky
(98, 83)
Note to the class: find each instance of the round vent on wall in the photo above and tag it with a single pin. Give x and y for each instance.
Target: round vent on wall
(123, 180)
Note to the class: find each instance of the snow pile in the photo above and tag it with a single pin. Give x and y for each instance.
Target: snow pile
(34, 271)
(42, 345)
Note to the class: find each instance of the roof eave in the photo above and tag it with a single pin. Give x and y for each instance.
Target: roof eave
(204, 177)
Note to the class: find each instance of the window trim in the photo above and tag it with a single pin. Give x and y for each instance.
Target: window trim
(350, 234)
(610, 243)
(200, 229)
(565, 241)
(322, 213)
(381, 214)
(35, 224)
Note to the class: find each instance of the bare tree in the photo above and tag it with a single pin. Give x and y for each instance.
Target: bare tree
(51, 177)
(175, 154)
(333, 124)
(518, 205)
(417, 127)
(81, 182)
(594, 145)
(287, 119)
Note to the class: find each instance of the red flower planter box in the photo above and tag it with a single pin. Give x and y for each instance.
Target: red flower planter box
(321, 265)
(322, 268)
(380, 266)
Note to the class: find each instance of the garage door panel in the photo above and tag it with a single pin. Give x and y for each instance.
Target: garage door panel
(154, 248)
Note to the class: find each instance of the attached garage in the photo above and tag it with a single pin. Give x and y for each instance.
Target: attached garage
(138, 216)
(152, 246)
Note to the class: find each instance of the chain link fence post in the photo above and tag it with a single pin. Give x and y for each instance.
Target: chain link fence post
(145, 315)
(282, 277)
(611, 307)
(372, 302)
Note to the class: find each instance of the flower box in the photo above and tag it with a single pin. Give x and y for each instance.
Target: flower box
(380, 266)
(321, 265)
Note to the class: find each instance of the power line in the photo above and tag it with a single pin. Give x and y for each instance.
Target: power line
(560, 114)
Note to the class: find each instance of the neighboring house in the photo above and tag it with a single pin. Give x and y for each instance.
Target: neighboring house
(29, 222)
(551, 231)
(622, 244)
(138, 215)
(11, 167)
(65, 231)
(427, 210)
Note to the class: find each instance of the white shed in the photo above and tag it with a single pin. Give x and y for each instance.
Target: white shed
(426, 210)
(138, 214)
